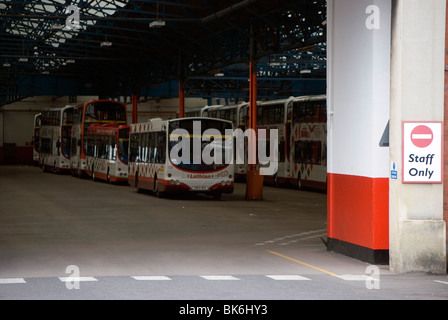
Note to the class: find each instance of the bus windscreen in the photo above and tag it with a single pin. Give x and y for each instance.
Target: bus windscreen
(105, 111)
(178, 159)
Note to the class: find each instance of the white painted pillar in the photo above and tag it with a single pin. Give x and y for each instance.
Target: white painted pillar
(416, 228)
(358, 113)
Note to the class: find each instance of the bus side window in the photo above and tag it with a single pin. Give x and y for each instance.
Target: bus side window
(152, 143)
(133, 147)
(162, 145)
(73, 146)
(281, 150)
(149, 147)
(161, 148)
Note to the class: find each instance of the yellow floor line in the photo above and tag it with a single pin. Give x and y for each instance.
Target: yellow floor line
(302, 263)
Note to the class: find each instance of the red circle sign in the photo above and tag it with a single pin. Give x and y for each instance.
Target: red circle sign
(422, 136)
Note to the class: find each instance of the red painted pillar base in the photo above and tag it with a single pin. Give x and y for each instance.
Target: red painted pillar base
(358, 214)
(254, 189)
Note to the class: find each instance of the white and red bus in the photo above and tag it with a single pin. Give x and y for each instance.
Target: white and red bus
(155, 165)
(107, 152)
(308, 139)
(36, 138)
(86, 114)
(55, 133)
(302, 134)
(273, 115)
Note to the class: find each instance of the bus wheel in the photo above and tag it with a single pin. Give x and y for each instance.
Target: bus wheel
(217, 195)
(276, 184)
(299, 181)
(158, 193)
(136, 183)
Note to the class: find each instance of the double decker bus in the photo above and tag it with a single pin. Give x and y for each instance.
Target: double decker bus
(107, 152)
(86, 114)
(273, 115)
(307, 117)
(155, 166)
(55, 133)
(36, 138)
(238, 115)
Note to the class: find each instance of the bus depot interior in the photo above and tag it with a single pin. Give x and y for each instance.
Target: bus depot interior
(233, 149)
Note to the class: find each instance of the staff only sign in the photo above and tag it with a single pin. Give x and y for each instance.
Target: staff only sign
(422, 152)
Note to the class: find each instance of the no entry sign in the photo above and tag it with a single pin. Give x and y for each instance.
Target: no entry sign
(422, 152)
(422, 136)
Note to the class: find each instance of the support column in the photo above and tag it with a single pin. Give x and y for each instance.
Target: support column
(358, 112)
(181, 78)
(134, 99)
(253, 111)
(254, 183)
(181, 99)
(417, 230)
(445, 179)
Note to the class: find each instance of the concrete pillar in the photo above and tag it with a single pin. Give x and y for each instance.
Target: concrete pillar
(445, 180)
(358, 114)
(416, 228)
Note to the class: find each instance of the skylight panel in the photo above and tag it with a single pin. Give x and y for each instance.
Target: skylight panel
(55, 32)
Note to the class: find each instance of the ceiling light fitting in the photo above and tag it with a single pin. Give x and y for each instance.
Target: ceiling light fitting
(157, 24)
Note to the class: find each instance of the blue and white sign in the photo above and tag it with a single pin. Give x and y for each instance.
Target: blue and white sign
(394, 171)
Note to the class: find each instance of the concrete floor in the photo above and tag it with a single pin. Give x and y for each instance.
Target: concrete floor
(50, 221)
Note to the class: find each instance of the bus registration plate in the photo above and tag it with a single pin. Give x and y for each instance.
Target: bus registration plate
(199, 188)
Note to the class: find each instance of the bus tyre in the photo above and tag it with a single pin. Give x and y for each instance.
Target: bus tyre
(136, 183)
(158, 193)
(276, 184)
(217, 195)
(299, 181)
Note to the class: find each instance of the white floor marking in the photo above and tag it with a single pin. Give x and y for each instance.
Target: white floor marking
(355, 277)
(77, 279)
(219, 278)
(287, 277)
(12, 280)
(151, 278)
